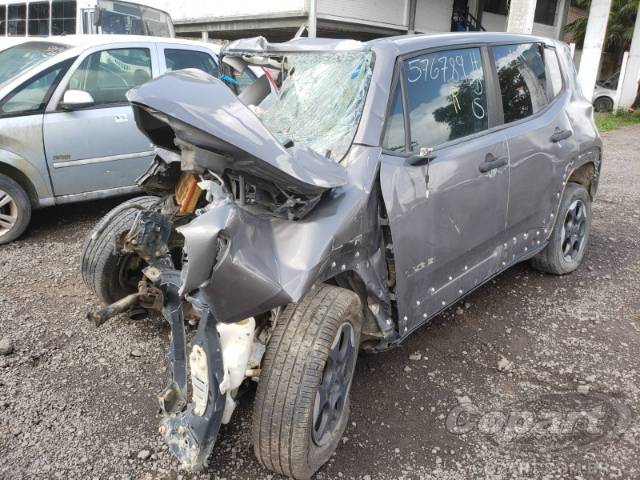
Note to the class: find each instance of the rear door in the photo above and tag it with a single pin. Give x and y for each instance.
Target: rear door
(540, 139)
(99, 147)
(178, 57)
(446, 217)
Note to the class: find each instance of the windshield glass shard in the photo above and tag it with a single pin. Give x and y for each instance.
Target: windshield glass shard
(320, 102)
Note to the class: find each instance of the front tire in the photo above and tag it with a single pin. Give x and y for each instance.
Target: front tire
(15, 209)
(302, 402)
(110, 274)
(570, 237)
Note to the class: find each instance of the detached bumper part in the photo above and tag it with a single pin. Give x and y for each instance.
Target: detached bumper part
(190, 429)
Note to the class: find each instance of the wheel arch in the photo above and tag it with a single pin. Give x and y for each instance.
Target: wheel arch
(23, 180)
(31, 176)
(586, 175)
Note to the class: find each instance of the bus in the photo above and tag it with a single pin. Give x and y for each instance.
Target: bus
(46, 18)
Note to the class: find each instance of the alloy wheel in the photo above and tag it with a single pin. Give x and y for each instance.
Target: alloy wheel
(574, 231)
(331, 397)
(8, 212)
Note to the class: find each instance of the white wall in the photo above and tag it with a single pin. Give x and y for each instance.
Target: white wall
(181, 10)
(498, 23)
(543, 30)
(433, 15)
(494, 23)
(376, 12)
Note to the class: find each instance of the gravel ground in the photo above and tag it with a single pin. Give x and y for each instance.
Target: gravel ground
(456, 401)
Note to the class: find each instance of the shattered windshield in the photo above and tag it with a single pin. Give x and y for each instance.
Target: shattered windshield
(320, 102)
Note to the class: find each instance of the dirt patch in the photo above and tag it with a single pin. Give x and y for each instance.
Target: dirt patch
(75, 402)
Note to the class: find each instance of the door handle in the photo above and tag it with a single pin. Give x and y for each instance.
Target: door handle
(560, 134)
(491, 162)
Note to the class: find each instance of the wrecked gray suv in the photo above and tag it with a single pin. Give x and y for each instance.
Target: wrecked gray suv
(337, 205)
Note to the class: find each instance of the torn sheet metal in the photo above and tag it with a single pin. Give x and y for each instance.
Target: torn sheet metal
(190, 428)
(261, 45)
(209, 116)
(276, 261)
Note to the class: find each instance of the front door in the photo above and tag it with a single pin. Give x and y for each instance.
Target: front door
(446, 217)
(21, 117)
(99, 147)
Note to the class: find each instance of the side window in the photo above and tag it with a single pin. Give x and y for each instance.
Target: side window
(394, 135)
(17, 20)
(553, 73)
(63, 17)
(108, 75)
(39, 18)
(446, 96)
(522, 78)
(3, 20)
(32, 96)
(244, 79)
(180, 59)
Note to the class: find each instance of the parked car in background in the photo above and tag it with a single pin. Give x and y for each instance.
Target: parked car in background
(43, 18)
(603, 98)
(67, 133)
(604, 93)
(385, 181)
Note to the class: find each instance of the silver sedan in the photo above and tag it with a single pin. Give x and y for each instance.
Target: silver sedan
(67, 133)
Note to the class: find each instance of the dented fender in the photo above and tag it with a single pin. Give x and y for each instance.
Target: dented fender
(275, 261)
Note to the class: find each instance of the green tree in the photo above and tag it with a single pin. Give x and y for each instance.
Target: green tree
(622, 19)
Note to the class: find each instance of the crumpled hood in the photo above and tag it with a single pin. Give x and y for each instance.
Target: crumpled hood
(203, 111)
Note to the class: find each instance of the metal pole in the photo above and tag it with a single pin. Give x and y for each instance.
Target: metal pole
(623, 72)
(412, 17)
(312, 18)
(521, 15)
(592, 49)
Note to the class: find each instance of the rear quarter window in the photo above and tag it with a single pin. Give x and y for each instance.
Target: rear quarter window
(179, 59)
(553, 73)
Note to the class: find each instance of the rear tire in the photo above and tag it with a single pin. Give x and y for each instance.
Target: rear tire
(566, 249)
(15, 209)
(302, 402)
(603, 104)
(107, 272)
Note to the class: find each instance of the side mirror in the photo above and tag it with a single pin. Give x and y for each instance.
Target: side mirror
(75, 99)
(423, 158)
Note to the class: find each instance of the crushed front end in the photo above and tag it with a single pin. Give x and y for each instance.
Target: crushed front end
(250, 219)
